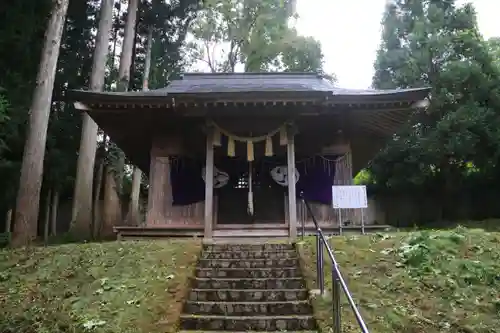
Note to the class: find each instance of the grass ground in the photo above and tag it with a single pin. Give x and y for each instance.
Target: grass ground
(96, 287)
(425, 281)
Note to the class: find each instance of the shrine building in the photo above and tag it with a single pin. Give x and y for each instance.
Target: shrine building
(221, 150)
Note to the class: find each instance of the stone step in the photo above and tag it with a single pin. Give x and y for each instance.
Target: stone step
(248, 263)
(248, 308)
(249, 295)
(284, 254)
(247, 323)
(247, 247)
(283, 272)
(250, 283)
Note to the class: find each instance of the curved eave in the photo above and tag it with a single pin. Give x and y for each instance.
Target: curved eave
(374, 115)
(156, 98)
(172, 99)
(381, 96)
(373, 130)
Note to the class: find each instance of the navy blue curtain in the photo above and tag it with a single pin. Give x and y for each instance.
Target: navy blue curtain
(188, 186)
(315, 180)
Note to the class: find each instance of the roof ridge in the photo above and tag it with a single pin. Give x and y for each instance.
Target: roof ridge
(233, 74)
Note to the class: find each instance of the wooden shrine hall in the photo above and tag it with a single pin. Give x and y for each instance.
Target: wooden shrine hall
(221, 150)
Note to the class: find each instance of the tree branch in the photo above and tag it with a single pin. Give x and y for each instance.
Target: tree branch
(210, 60)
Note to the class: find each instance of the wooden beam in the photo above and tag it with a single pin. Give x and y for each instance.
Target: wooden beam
(209, 184)
(292, 198)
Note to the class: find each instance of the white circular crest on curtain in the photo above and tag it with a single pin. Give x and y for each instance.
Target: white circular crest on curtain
(221, 178)
(280, 175)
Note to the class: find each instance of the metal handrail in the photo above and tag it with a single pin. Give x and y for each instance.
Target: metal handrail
(338, 282)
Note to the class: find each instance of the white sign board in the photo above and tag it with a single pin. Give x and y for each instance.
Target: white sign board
(353, 196)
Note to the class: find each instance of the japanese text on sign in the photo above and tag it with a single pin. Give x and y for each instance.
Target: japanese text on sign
(352, 196)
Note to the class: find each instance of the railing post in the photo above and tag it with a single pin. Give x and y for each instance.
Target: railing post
(318, 268)
(304, 216)
(338, 283)
(320, 263)
(303, 227)
(336, 301)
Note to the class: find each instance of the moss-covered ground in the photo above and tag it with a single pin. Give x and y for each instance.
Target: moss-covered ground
(115, 287)
(421, 281)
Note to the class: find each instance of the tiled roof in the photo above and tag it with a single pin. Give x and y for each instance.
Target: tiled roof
(233, 83)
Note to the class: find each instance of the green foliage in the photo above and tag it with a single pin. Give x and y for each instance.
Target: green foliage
(254, 35)
(437, 252)
(301, 54)
(170, 21)
(98, 287)
(422, 281)
(493, 45)
(437, 44)
(18, 83)
(22, 30)
(363, 177)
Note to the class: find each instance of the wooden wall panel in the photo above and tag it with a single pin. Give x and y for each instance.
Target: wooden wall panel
(160, 209)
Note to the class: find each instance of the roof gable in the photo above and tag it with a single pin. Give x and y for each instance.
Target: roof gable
(256, 86)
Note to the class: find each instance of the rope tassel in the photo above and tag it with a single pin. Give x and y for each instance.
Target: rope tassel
(230, 147)
(269, 146)
(283, 139)
(250, 152)
(250, 203)
(217, 137)
(250, 190)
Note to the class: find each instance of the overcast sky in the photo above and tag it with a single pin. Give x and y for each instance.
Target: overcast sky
(349, 32)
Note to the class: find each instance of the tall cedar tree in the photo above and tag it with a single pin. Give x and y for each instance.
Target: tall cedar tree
(437, 44)
(82, 198)
(28, 197)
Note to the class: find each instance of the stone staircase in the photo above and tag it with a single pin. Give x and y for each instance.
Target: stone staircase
(248, 288)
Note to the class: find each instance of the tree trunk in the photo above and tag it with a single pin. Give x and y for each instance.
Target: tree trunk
(115, 33)
(127, 47)
(124, 70)
(147, 60)
(82, 199)
(46, 219)
(111, 214)
(28, 196)
(54, 211)
(134, 213)
(8, 221)
(97, 220)
(133, 59)
(112, 208)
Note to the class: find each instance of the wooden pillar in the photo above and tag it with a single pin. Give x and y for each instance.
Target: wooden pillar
(349, 167)
(209, 185)
(151, 214)
(292, 197)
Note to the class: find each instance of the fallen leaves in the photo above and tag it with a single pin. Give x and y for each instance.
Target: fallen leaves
(95, 287)
(423, 281)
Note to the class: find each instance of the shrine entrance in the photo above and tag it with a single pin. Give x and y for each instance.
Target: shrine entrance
(251, 196)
